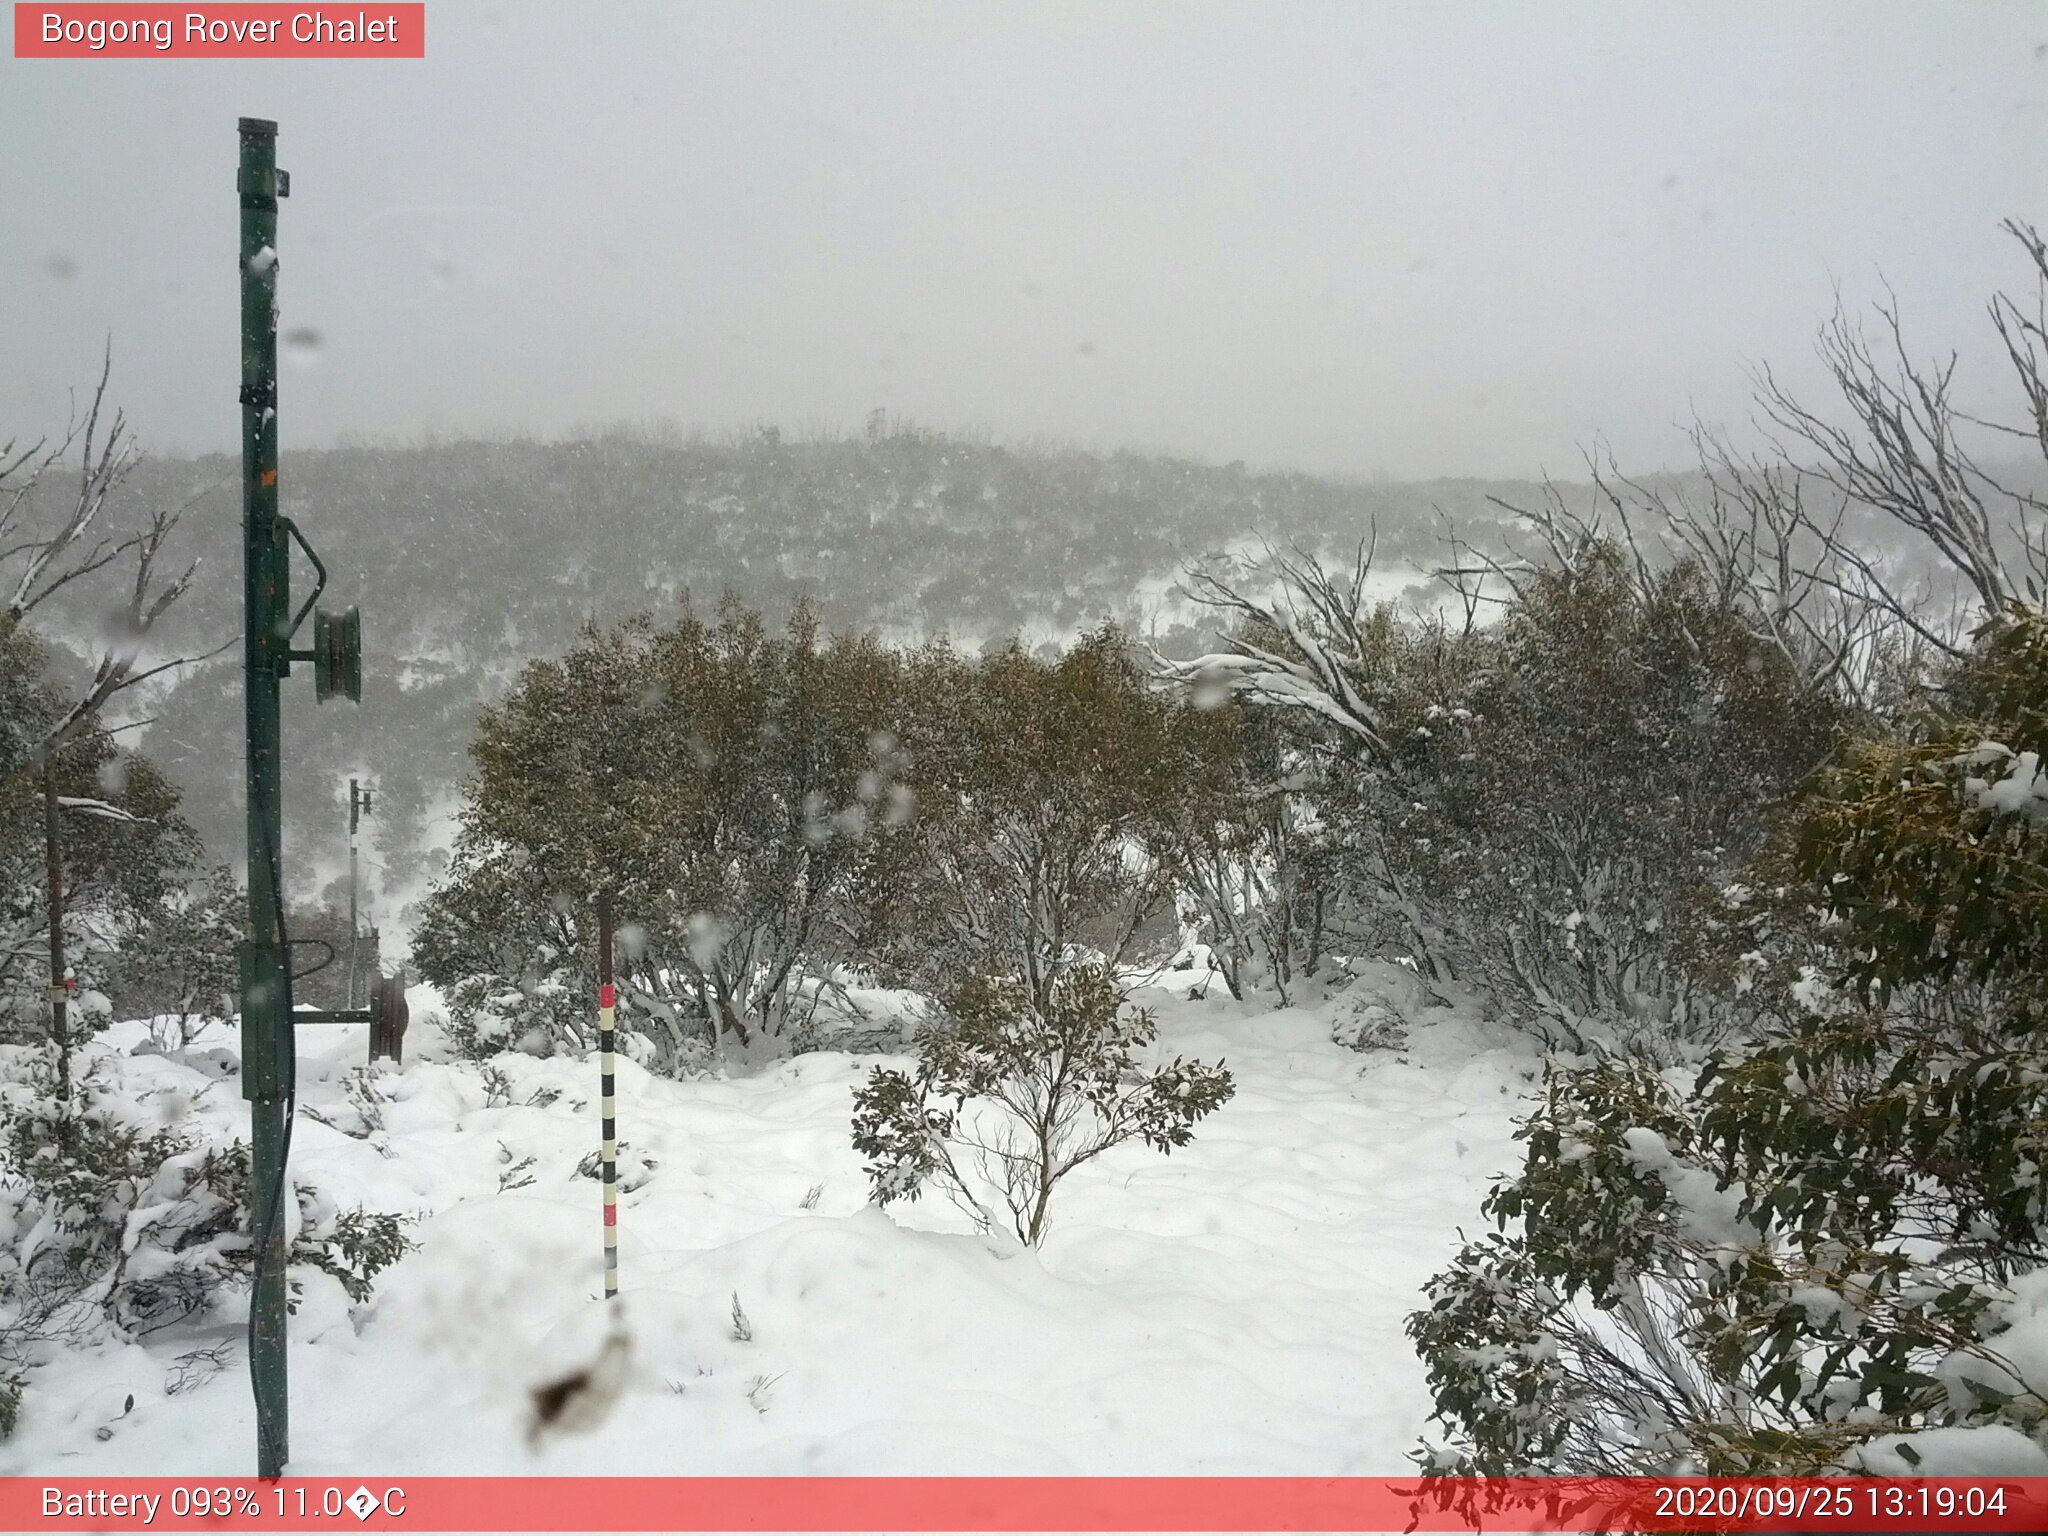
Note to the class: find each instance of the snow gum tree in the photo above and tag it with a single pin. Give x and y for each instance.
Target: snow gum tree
(1621, 752)
(1535, 806)
(1010, 1095)
(125, 852)
(55, 501)
(1046, 793)
(1249, 854)
(740, 792)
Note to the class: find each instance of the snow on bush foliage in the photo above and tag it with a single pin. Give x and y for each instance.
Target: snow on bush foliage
(737, 789)
(1825, 1250)
(114, 1223)
(778, 813)
(1047, 798)
(1538, 807)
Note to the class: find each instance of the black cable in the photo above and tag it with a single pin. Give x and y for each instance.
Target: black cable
(311, 970)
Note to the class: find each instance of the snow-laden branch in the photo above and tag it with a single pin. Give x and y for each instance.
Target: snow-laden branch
(1307, 648)
(92, 807)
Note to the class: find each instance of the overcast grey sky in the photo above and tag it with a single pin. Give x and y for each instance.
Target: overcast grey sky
(1407, 239)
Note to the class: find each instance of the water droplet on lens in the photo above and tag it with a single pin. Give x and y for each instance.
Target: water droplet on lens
(302, 346)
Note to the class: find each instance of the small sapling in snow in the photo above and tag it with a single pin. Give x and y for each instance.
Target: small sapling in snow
(1051, 1088)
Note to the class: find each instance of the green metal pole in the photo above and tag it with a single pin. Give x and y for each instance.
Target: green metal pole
(266, 1023)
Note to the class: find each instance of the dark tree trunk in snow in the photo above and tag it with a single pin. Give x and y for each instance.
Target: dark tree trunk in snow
(53, 858)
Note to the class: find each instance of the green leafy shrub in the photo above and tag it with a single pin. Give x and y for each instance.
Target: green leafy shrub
(127, 853)
(179, 968)
(1828, 1236)
(353, 1246)
(738, 790)
(1009, 1097)
(1046, 794)
(148, 1221)
(1248, 851)
(1532, 808)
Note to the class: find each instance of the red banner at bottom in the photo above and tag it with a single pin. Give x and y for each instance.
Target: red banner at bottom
(1024, 1504)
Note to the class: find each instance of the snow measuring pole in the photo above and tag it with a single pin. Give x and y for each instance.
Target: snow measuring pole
(268, 624)
(608, 1151)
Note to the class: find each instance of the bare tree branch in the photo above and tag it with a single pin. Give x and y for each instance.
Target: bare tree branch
(36, 565)
(1306, 647)
(1901, 453)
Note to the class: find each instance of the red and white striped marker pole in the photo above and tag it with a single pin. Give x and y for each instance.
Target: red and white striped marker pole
(606, 998)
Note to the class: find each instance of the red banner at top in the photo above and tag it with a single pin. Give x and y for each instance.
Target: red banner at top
(101, 31)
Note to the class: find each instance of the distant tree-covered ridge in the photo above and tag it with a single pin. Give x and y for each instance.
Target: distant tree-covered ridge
(470, 558)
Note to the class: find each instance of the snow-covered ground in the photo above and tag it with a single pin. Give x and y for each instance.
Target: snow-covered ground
(1233, 1308)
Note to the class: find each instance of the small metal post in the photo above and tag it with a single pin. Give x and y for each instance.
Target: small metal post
(358, 807)
(610, 1153)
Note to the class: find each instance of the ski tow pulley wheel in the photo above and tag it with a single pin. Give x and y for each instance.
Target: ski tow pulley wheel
(338, 655)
